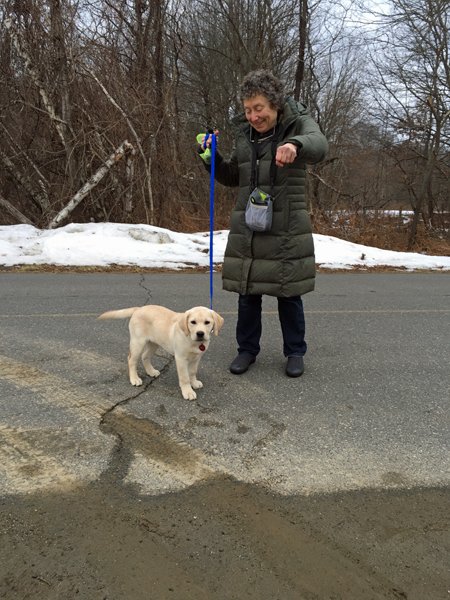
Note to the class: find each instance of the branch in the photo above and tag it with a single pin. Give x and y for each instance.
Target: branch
(14, 211)
(22, 52)
(40, 199)
(117, 155)
(330, 187)
(147, 163)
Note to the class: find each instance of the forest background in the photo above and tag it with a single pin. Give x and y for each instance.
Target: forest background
(101, 101)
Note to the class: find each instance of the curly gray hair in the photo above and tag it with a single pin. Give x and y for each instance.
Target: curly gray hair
(264, 83)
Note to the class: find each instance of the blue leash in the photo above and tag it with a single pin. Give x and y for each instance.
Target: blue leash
(211, 215)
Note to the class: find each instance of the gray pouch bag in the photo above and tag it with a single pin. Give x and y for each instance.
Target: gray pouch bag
(259, 210)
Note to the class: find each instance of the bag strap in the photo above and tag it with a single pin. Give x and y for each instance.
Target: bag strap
(255, 162)
(273, 166)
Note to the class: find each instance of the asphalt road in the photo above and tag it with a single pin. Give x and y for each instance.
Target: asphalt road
(371, 411)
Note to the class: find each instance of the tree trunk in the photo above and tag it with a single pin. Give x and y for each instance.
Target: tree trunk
(302, 29)
(39, 198)
(14, 211)
(61, 76)
(89, 185)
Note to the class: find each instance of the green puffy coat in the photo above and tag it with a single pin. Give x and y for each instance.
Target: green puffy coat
(279, 262)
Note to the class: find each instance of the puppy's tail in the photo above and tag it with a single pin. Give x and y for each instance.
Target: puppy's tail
(124, 313)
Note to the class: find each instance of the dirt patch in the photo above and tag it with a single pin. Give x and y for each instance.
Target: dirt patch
(224, 540)
(195, 270)
(113, 268)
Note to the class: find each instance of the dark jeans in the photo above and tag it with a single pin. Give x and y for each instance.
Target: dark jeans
(292, 319)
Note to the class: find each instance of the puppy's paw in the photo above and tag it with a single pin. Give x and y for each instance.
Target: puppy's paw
(135, 380)
(188, 393)
(152, 372)
(196, 384)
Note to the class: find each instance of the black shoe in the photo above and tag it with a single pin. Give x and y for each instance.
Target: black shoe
(295, 366)
(242, 362)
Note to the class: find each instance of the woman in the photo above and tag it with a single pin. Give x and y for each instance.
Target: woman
(275, 138)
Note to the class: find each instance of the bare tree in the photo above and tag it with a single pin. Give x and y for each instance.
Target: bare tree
(414, 85)
(302, 41)
(76, 79)
(120, 152)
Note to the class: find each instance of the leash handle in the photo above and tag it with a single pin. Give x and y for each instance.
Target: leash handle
(211, 216)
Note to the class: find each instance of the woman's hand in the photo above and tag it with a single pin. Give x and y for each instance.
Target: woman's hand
(286, 154)
(205, 140)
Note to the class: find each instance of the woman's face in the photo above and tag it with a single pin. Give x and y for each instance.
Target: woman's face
(260, 113)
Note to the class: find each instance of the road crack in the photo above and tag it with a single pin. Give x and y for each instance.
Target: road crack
(147, 440)
(142, 284)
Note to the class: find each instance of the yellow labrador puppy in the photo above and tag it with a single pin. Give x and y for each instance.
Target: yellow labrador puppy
(185, 336)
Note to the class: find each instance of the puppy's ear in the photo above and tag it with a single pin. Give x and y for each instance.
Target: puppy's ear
(183, 322)
(218, 322)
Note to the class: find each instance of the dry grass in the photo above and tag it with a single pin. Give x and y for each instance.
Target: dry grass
(387, 233)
